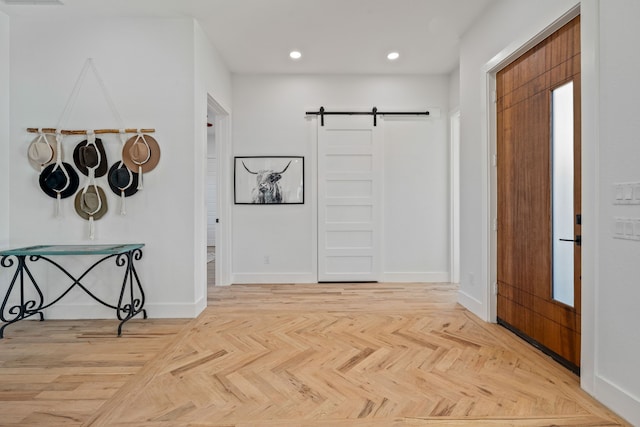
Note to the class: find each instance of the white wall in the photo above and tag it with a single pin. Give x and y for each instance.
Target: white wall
(415, 244)
(148, 68)
(4, 130)
(454, 89)
(269, 120)
(212, 79)
(618, 292)
(610, 339)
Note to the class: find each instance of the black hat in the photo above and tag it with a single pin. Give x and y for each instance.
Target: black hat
(87, 155)
(53, 180)
(121, 178)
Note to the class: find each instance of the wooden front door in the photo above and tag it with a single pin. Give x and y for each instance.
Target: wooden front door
(529, 300)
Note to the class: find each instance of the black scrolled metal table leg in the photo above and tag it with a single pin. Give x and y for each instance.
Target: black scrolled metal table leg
(131, 300)
(10, 314)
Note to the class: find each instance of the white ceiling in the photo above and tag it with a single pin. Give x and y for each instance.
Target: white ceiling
(334, 36)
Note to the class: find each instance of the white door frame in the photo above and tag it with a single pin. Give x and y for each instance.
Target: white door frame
(222, 126)
(454, 192)
(489, 123)
(588, 9)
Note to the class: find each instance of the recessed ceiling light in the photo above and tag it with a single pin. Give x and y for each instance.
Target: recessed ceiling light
(295, 54)
(392, 56)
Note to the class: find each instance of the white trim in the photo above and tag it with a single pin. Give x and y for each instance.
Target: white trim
(470, 303)
(5, 133)
(222, 126)
(175, 310)
(79, 311)
(491, 296)
(617, 399)
(95, 311)
(378, 156)
(590, 74)
(200, 305)
(312, 189)
(488, 235)
(273, 278)
(410, 277)
(454, 193)
(517, 48)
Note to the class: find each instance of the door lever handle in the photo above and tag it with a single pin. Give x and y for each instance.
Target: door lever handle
(577, 240)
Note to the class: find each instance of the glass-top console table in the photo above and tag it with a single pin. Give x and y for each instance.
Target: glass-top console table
(24, 298)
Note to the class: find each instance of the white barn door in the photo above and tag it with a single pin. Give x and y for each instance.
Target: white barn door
(349, 199)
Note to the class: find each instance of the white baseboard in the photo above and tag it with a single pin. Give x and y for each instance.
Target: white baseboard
(473, 305)
(618, 400)
(200, 305)
(268, 278)
(96, 311)
(428, 277)
(273, 278)
(78, 311)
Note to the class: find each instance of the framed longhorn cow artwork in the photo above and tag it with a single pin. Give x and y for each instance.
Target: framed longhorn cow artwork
(269, 180)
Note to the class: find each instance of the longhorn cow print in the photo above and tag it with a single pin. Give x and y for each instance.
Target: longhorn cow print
(267, 189)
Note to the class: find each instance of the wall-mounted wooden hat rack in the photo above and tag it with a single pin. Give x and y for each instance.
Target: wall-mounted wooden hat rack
(84, 132)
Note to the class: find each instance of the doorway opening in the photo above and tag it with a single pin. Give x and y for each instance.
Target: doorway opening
(217, 205)
(454, 183)
(211, 196)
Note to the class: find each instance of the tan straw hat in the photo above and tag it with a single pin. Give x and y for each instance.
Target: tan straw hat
(42, 151)
(141, 153)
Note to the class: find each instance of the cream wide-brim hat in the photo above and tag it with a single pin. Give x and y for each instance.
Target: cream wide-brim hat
(42, 151)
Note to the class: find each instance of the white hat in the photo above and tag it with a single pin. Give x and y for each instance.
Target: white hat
(42, 151)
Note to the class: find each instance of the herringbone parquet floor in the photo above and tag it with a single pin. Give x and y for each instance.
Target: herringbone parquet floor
(334, 355)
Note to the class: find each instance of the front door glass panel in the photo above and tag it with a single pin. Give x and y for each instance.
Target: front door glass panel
(562, 193)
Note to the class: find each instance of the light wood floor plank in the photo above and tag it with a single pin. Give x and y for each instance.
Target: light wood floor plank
(291, 355)
(359, 354)
(60, 373)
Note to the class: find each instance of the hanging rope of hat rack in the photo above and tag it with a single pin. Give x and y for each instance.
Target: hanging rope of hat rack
(88, 66)
(84, 132)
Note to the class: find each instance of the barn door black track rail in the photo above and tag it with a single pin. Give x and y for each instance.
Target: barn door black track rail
(374, 112)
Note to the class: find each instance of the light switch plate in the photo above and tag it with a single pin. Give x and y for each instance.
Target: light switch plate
(626, 228)
(626, 193)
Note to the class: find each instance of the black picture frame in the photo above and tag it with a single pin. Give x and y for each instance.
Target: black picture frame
(268, 180)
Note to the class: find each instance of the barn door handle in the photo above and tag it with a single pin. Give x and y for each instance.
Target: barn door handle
(578, 240)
